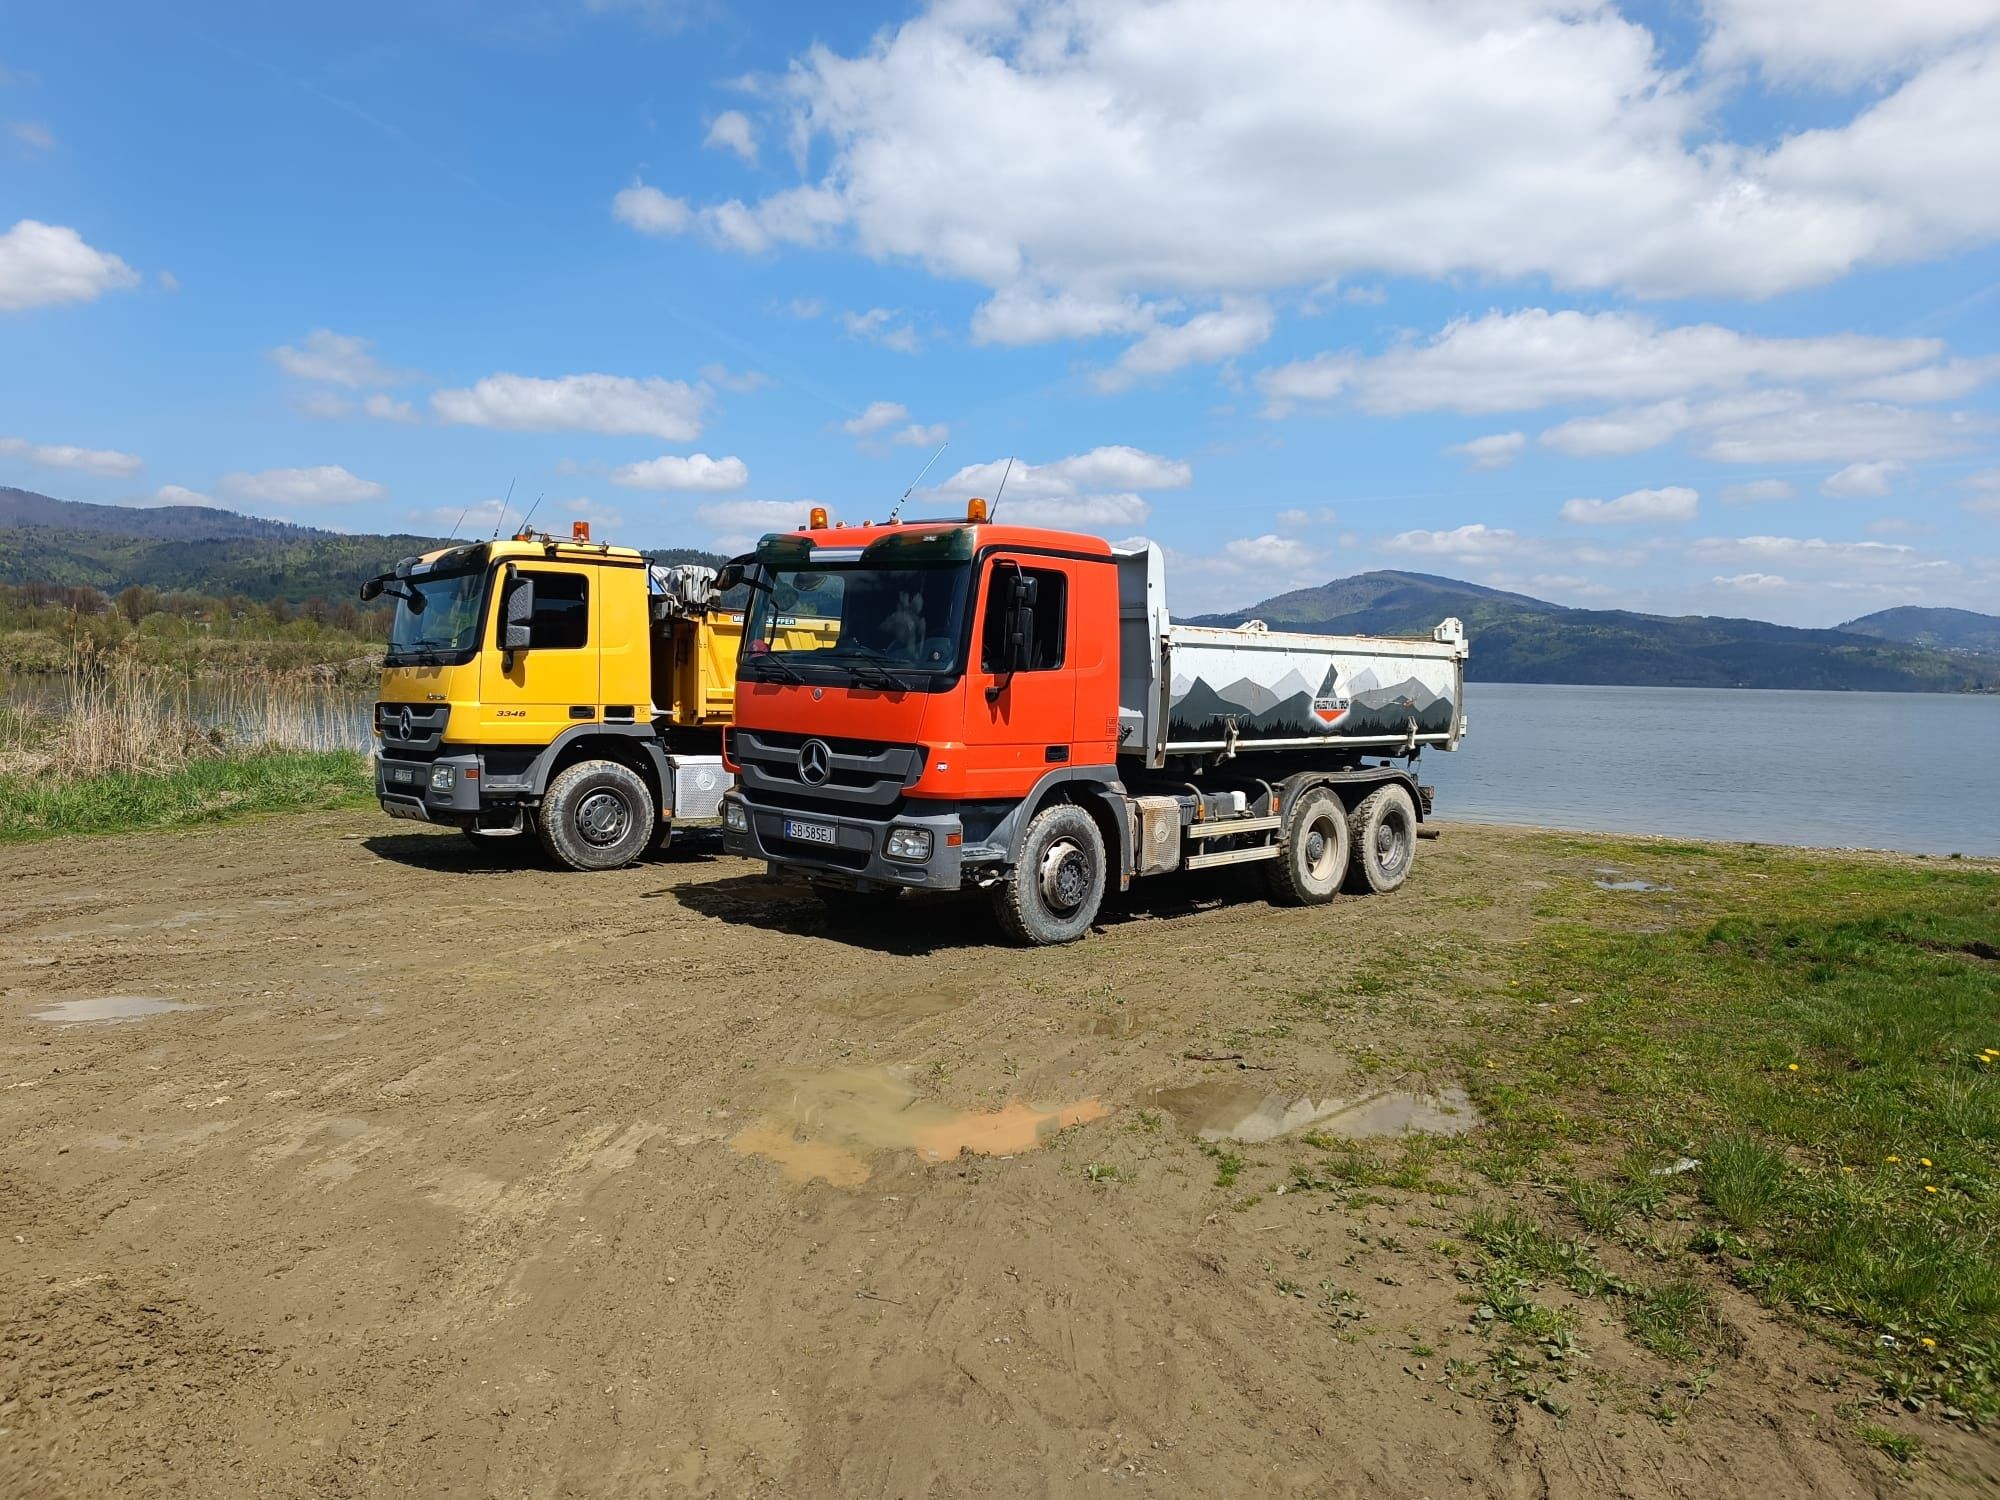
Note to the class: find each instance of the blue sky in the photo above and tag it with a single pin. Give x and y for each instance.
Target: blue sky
(1685, 307)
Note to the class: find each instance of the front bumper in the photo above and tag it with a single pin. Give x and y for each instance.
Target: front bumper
(855, 857)
(405, 790)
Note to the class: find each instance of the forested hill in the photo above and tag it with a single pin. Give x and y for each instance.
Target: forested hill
(1516, 638)
(1943, 629)
(198, 550)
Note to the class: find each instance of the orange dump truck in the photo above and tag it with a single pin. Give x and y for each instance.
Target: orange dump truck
(1011, 709)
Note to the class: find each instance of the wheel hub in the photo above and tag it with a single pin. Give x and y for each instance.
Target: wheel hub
(1064, 875)
(1389, 847)
(603, 818)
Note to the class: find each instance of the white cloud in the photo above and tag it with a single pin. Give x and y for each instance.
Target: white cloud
(43, 265)
(1108, 149)
(1029, 315)
(1947, 381)
(880, 414)
(735, 525)
(384, 408)
(695, 471)
(32, 134)
(1253, 566)
(805, 308)
(1476, 542)
(1752, 583)
(878, 326)
(1840, 41)
(668, 409)
(1087, 491)
(1862, 481)
(920, 435)
(103, 461)
(732, 131)
(482, 516)
(324, 406)
(1205, 338)
(1840, 434)
(742, 382)
(335, 359)
(1673, 503)
(180, 494)
(1816, 553)
(326, 484)
(796, 216)
(1985, 487)
(650, 211)
(1494, 451)
(1523, 360)
(1757, 491)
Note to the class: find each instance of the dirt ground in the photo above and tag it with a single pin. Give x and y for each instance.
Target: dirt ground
(458, 1179)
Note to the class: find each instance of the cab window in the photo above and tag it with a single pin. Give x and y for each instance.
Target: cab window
(561, 621)
(1050, 618)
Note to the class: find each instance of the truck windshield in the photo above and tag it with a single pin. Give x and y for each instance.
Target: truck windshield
(895, 626)
(437, 621)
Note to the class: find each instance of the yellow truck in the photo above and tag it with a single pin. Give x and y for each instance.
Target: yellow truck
(558, 686)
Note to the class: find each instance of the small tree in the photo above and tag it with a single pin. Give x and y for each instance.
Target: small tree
(135, 603)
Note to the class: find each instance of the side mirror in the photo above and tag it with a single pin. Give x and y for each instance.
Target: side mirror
(519, 611)
(372, 589)
(1017, 631)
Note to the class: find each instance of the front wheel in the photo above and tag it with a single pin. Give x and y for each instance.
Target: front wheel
(597, 815)
(1052, 894)
(1314, 862)
(1383, 833)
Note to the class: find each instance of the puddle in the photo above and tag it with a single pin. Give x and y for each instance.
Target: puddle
(1232, 1111)
(830, 1125)
(107, 1008)
(1629, 885)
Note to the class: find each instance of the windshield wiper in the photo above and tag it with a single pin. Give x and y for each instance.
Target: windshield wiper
(876, 675)
(777, 663)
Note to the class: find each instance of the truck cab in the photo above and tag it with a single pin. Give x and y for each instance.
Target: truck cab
(558, 686)
(1010, 708)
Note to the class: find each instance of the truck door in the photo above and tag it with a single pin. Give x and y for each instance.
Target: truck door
(1020, 723)
(529, 696)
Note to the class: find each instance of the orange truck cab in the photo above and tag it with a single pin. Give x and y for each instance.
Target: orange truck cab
(1010, 708)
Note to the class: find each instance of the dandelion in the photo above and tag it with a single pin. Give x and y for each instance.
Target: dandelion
(1892, 1158)
(1929, 1188)
(1925, 1160)
(1791, 1067)
(1928, 1343)
(1847, 1169)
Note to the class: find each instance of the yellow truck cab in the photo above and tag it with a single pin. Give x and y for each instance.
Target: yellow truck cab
(555, 685)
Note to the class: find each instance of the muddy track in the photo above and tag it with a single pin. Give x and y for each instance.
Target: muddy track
(455, 1179)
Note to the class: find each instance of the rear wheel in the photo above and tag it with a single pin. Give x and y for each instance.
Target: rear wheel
(597, 815)
(1314, 864)
(1052, 894)
(1382, 832)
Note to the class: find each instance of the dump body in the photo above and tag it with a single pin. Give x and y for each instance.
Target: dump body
(969, 677)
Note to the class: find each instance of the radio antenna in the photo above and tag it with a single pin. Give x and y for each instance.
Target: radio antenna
(503, 512)
(994, 509)
(531, 510)
(896, 513)
(459, 522)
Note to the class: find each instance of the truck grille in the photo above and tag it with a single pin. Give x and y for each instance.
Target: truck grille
(859, 774)
(411, 728)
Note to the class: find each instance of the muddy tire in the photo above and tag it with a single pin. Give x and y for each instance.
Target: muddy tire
(1053, 894)
(596, 815)
(1382, 841)
(1316, 843)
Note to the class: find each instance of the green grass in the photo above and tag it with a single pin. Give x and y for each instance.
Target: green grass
(1820, 1055)
(204, 791)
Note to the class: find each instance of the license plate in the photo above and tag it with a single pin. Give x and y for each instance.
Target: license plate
(401, 775)
(809, 833)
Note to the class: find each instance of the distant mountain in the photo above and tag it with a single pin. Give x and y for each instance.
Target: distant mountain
(196, 549)
(184, 523)
(1940, 629)
(1516, 638)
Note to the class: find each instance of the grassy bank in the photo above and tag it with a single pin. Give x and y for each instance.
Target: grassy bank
(114, 743)
(202, 791)
(1799, 1057)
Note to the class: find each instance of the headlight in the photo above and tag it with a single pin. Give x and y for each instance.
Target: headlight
(734, 818)
(908, 843)
(442, 778)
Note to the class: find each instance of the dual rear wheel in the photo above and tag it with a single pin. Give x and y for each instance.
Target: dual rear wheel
(1328, 848)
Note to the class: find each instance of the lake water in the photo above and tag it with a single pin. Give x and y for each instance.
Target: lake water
(1913, 771)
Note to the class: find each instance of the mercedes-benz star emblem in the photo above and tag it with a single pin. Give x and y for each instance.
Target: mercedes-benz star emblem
(407, 725)
(815, 762)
